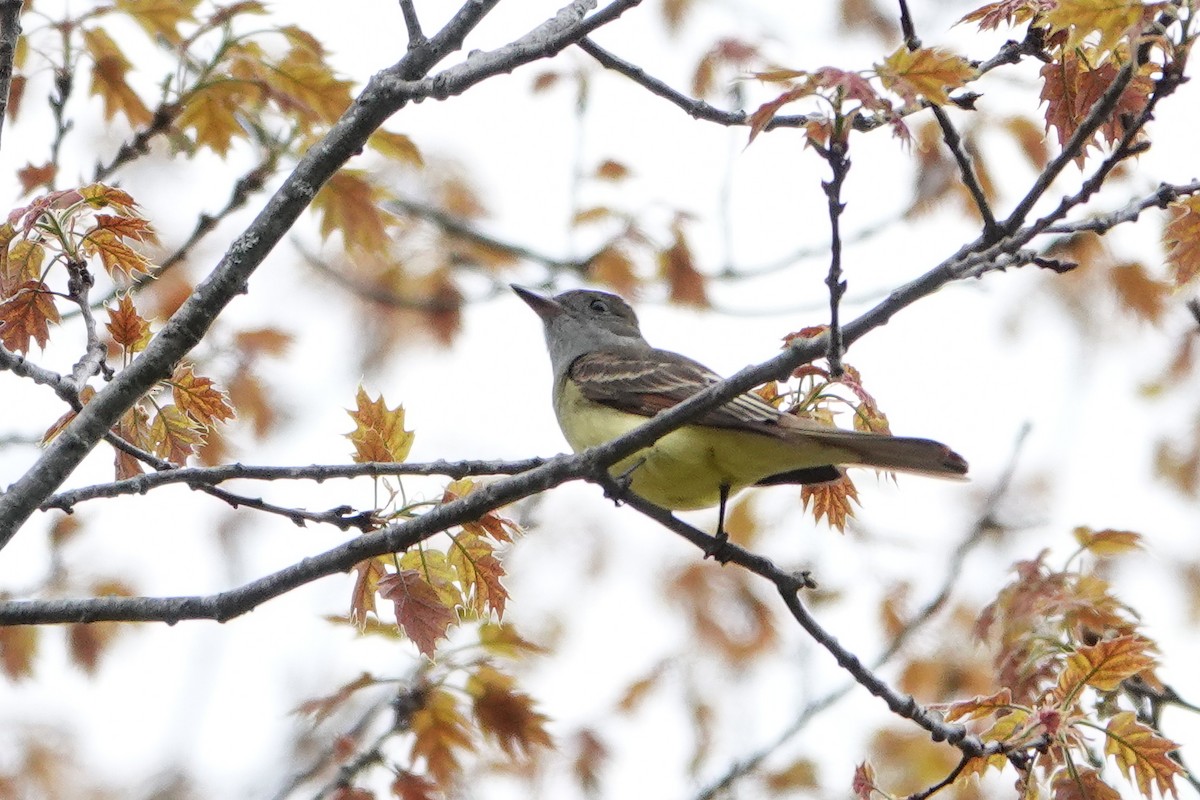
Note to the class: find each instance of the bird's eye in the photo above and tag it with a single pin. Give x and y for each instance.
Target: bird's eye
(599, 306)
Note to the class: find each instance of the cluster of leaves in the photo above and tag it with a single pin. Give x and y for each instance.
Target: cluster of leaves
(1073, 665)
(431, 589)
(820, 395)
(54, 241)
(444, 712)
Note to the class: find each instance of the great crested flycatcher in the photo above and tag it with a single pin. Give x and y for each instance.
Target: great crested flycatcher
(608, 380)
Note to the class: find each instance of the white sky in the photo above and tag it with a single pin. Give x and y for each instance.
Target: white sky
(214, 698)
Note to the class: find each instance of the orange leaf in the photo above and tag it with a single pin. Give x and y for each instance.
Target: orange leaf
(1110, 20)
(134, 428)
(1010, 12)
(20, 263)
(26, 315)
(397, 147)
(1081, 783)
(198, 397)
(1181, 239)
(321, 707)
(98, 195)
(175, 434)
(1107, 542)
(366, 584)
(127, 226)
(407, 786)
(505, 714)
(677, 266)
(1142, 753)
(832, 501)
(925, 72)
(109, 67)
(160, 18)
(127, 327)
(18, 646)
(439, 733)
(979, 707)
(32, 177)
(348, 202)
(379, 433)
(85, 394)
(419, 610)
(479, 573)
(211, 112)
(1104, 665)
(115, 255)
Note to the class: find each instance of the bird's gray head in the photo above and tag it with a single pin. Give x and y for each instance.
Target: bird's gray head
(581, 321)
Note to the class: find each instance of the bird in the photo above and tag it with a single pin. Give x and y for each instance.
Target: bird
(607, 380)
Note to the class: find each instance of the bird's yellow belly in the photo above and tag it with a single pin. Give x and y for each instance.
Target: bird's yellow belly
(686, 468)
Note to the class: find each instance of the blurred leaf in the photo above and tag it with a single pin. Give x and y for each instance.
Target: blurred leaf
(440, 736)
(1181, 239)
(505, 714)
(109, 69)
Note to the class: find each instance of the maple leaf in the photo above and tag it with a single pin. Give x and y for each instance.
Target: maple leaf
(491, 524)
(27, 314)
(1081, 784)
(762, 116)
(160, 18)
(85, 395)
(435, 568)
(1010, 12)
(366, 584)
(863, 784)
(1111, 20)
(115, 255)
(175, 434)
(479, 573)
(99, 195)
(133, 427)
(301, 83)
(379, 433)
(979, 707)
(1104, 665)
(1071, 87)
(198, 397)
(18, 647)
(32, 177)
(127, 327)
(109, 67)
(1181, 239)
(397, 147)
(926, 72)
(211, 113)
(677, 266)
(319, 708)
(349, 202)
(1142, 753)
(613, 267)
(408, 786)
(506, 714)
(127, 226)
(1107, 542)
(439, 733)
(418, 608)
(502, 639)
(831, 501)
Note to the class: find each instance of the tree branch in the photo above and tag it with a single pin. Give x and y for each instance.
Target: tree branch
(385, 93)
(10, 32)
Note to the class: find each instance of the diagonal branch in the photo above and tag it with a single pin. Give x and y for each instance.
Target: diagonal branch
(386, 93)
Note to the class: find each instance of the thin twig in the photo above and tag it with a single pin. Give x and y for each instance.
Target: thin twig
(839, 167)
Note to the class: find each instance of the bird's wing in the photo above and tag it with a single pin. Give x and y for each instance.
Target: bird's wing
(648, 381)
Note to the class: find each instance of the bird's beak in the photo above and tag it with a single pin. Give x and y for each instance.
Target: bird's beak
(546, 307)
